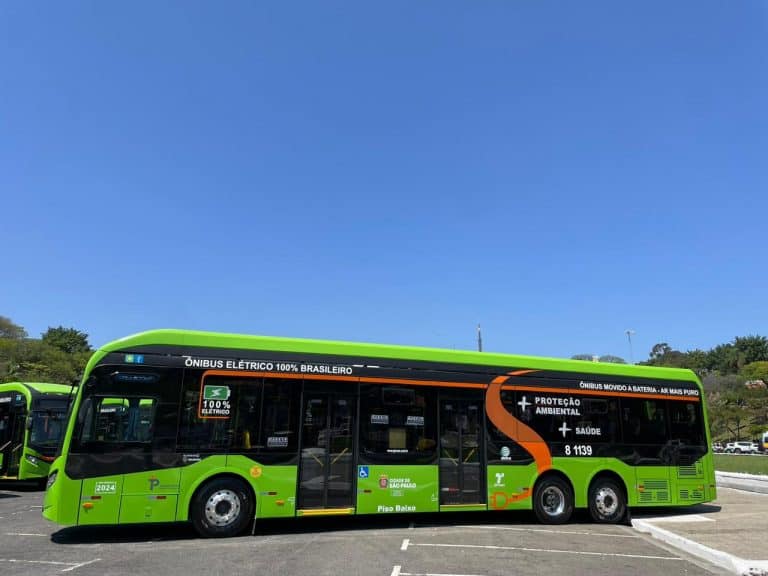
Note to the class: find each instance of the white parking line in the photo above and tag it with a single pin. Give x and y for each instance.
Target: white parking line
(404, 545)
(545, 550)
(396, 572)
(23, 534)
(681, 518)
(49, 562)
(572, 532)
(76, 566)
(69, 565)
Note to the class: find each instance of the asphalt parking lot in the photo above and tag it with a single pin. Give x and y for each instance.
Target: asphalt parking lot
(455, 545)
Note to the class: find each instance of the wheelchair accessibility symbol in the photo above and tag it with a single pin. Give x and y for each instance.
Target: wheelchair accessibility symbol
(362, 472)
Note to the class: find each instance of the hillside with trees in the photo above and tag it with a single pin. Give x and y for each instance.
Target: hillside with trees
(735, 378)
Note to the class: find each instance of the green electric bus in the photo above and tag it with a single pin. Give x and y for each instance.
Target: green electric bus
(220, 430)
(32, 423)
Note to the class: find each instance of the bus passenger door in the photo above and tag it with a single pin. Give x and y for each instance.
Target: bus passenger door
(461, 451)
(12, 430)
(326, 477)
(5, 433)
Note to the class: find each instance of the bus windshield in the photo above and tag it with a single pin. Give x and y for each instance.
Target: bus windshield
(49, 419)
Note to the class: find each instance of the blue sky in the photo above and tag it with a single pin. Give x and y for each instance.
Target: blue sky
(395, 172)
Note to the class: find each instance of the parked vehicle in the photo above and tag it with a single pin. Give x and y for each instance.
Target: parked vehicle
(741, 448)
(718, 447)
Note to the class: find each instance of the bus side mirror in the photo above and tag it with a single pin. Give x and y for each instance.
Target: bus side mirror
(29, 422)
(90, 384)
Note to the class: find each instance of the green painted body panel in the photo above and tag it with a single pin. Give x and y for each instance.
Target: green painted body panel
(29, 470)
(147, 508)
(152, 482)
(397, 489)
(100, 500)
(510, 487)
(62, 499)
(464, 508)
(274, 486)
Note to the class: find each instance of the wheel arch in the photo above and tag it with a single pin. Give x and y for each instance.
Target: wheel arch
(611, 475)
(554, 472)
(182, 513)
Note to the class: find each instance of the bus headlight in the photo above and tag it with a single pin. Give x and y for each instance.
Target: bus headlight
(32, 460)
(51, 479)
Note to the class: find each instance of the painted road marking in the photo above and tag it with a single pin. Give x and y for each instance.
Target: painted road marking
(396, 572)
(572, 532)
(680, 518)
(544, 550)
(404, 545)
(23, 534)
(69, 565)
(76, 566)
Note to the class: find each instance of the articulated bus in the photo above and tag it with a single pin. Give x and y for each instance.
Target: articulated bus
(220, 430)
(32, 423)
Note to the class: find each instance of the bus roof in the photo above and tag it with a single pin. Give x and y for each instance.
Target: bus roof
(191, 338)
(42, 387)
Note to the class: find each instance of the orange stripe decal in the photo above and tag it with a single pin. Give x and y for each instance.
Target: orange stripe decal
(514, 428)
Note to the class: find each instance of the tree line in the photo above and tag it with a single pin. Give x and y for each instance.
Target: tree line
(58, 356)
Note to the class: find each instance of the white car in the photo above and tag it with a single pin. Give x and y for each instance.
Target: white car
(741, 448)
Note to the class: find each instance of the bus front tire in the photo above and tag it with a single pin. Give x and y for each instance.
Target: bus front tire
(553, 500)
(607, 503)
(221, 508)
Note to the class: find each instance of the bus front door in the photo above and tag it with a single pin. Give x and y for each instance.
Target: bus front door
(12, 430)
(461, 452)
(326, 478)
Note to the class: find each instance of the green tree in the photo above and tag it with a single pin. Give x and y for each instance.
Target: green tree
(612, 359)
(660, 350)
(751, 348)
(724, 358)
(587, 357)
(697, 361)
(10, 330)
(755, 371)
(67, 340)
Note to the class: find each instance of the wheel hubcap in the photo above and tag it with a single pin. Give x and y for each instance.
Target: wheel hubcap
(222, 508)
(606, 501)
(553, 501)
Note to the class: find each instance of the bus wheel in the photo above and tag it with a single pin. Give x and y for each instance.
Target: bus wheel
(553, 500)
(222, 507)
(607, 504)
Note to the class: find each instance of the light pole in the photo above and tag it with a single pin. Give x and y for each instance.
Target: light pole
(479, 339)
(629, 334)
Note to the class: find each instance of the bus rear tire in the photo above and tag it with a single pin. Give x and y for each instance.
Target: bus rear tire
(607, 503)
(553, 500)
(221, 508)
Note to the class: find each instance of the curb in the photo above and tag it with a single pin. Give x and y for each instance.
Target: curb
(729, 562)
(749, 482)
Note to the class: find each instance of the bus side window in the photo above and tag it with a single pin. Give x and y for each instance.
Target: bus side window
(686, 424)
(643, 421)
